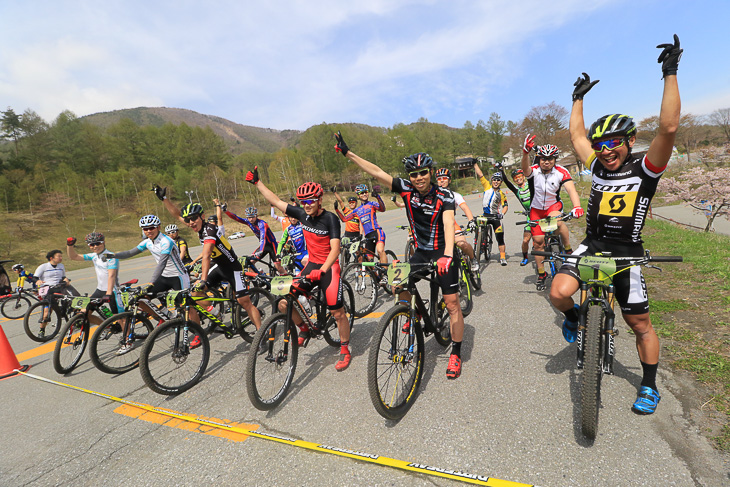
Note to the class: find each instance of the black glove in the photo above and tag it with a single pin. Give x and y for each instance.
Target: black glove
(471, 225)
(224, 206)
(253, 176)
(258, 254)
(582, 86)
(160, 192)
(669, 57)
(144, 289)
(200, 285)
(106, 298)
(106, 256)
(71, 241)
(392, 198)
(337, 204)
(333, 189)
(340, 146)
(375, 194)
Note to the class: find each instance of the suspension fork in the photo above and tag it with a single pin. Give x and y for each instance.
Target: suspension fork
(609, 346)
(582, 317)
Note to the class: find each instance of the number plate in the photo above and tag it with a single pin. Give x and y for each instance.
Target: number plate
(286, 260)
(398, 273)
(605, 265)
(354, 246)
(345, 241)
(281, 285)
(482, 220)
(170, 298)
(80, 302)
(125, 299)
(548, 224)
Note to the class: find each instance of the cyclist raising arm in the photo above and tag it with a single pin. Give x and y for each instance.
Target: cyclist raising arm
(495, 205)
(522, 190)
(430, 211)
(322, 235)
(622, 190)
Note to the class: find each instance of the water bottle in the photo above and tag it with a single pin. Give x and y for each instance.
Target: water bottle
(305, 304)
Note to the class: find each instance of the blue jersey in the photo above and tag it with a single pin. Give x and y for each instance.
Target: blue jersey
(261, 229)
(295, 233)
(366, 213)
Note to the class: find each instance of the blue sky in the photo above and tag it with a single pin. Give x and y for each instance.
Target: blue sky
(292, 64)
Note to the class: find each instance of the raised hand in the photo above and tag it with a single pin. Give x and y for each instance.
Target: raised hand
(161, 193)
(71, 241)
(529, 143)
(669, 57)
(253, 176)
(340, 146)
(582, 86)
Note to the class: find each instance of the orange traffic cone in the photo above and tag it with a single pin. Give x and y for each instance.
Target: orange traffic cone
(9, 364)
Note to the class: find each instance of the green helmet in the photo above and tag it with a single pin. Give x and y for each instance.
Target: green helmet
(192, 209)
(614, 125)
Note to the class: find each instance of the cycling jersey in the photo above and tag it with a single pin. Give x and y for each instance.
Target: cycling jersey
(222, 253)
(26, 276)
(50, 274)
(180, 242)
(102, 269)
(352, 222)
(261, 229)
(619, 200)
(493, 199)
(425, 213)
(366, 213)
(522, 192)
(162, 246)
(318, 231)
(545, 188)
(281, 219)
(295, 233)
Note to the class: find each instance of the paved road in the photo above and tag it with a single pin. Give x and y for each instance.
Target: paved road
(691, 216)
(512, 415)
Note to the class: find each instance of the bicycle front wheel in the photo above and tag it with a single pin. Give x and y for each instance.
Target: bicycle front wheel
(271, 363)
(489, 239)
(409, 251)
(15, 307)
(443, 324)
(395, 364)
(170, 362)
(479, 243)
(71, 343)
(114, 350)
(331, 333)
(36, 327)
(465, 298)
(264, 302)
(364, 286)
(590, 384)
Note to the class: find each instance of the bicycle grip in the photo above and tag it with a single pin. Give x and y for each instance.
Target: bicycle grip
(667, 258)
(540, 253)
(522, 223)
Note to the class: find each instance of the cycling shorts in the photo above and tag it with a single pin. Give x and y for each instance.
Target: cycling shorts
(449, 282)
(234, 279)
(330, 284)
(169, 284)
(115, 303)
(351, 235)
(536, 214)
(374, 238)
(629, 285)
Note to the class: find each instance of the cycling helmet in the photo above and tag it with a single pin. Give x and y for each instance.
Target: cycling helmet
(548, 150)
(516, 172)
(149, 221)
(309, 190)
(171, 228)
(251, 211)
(94, 237)
(414, 162)
(351, 199)
(213, 219)
(18, 267)
(614, 125)
(190, 210)
(497, 176)
(443, 172)
(361, 189)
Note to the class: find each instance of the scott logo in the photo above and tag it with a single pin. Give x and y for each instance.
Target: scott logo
(617, 203)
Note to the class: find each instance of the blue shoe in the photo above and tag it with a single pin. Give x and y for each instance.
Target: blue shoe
(570, 329)
(523, 261)
(647, 401)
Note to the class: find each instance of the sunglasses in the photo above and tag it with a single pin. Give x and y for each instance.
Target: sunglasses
(192, 218)
(148, 229)
(308, 202)
(443, 178)
(610, 144)
(422, 172)
(95, 244)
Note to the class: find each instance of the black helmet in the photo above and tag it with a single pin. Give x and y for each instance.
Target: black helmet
(418, 161)
(191, 209)
(213, 219)
(614, 125)
(94, 237)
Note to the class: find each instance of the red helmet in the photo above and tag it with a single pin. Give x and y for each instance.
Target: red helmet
(309, 190)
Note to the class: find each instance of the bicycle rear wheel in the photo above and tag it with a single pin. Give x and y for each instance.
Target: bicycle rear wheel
(331, 333)
(364, 286)
(443, 324)
(409, 251)
(489, 239)
(590, 384)
(264, 302)
(167, 362)
(71, 343)
(105, 347)
(394, 368)
(465, 298)
(271, 362)
(33, 320)
(15, 307)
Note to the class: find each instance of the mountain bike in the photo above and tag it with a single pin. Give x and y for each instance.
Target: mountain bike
(175, 355)
(475, 277)
(484, 238)
(396, 356)
(15, 305)
(465, 281)
(272, 359)
(596, 325)
(366, 276)
(74, 335)
(553, 241)
(43, 319)
(410, 248)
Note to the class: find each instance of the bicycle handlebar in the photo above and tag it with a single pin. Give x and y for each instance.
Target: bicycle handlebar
(647, 258)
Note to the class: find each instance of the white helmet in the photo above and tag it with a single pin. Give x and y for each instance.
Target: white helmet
(171, 228)
(149, 221)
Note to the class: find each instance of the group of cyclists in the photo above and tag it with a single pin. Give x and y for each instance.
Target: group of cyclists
(430, 206)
